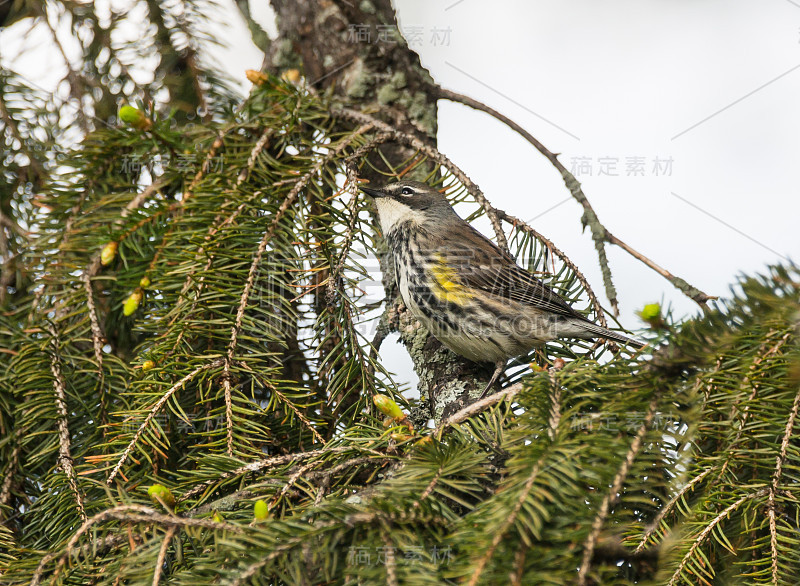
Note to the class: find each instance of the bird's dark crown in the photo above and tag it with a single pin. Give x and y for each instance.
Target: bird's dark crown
(414, 194)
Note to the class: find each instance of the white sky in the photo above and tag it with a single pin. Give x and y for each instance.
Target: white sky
(712, 85)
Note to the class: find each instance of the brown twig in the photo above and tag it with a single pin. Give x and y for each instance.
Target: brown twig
(162, 554)
(64, 455)
(8, 479)
(780, 459)
(97, 344)
(477, 407)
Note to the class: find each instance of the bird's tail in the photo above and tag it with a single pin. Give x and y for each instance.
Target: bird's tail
(601, 332)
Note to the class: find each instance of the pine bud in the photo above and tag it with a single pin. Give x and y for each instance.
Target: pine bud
(388, 407)
(144, 282)
(651, 313)
(135, 117)
(260, 510)
(108, 253)
(159, 491)
(256, 77)
(148, 365)
(291, 75)
(132, 302)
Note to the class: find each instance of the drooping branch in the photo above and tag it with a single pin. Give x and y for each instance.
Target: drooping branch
(600, 233)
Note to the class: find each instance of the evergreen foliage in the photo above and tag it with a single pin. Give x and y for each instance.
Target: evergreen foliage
(240, 374)
(190, 339)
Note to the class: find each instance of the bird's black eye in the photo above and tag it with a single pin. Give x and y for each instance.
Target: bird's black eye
(407, 191)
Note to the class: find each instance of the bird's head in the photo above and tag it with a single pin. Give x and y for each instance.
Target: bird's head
(405, 201)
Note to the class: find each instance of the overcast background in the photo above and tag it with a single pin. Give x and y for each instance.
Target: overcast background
(680, 118)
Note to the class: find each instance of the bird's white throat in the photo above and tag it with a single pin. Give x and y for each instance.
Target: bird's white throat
(392, 213)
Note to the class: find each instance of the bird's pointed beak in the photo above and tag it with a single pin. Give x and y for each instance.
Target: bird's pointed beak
(372, 192)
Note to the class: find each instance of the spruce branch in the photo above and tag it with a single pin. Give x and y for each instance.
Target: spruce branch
(130, 513)
(780, 460)
(666, 509)
(64, 437)
(512, 517)
(303, 419)
(261, 143)
(8, 478)
(614, 493)
(97, 344)
(701, 537)
(272, 462)
(766, 350)
(156, 408)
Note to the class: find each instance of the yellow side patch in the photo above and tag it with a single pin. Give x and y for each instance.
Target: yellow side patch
(447, 288)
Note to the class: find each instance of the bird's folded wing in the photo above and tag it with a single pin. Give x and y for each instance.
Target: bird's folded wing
(490, 270)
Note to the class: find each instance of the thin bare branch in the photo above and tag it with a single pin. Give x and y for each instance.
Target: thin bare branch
(477, 407)
(162, 554)
(599, 232)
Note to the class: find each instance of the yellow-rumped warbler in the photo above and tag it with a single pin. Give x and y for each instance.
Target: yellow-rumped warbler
(467, 292)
